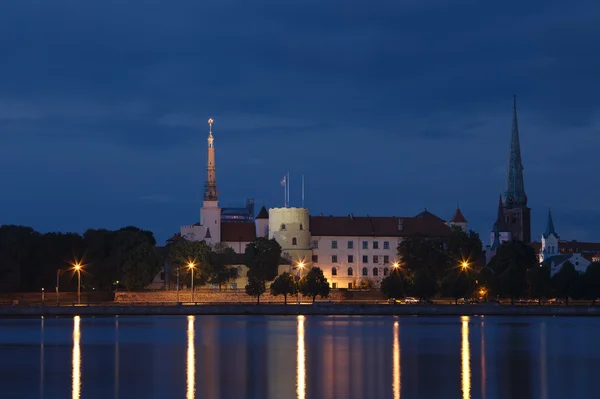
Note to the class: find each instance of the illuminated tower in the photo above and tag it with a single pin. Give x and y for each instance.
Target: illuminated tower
(210, 214)
(517, 215)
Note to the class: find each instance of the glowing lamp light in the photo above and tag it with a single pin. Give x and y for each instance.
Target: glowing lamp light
(396, 265)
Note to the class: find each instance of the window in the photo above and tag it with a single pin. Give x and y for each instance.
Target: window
(376, 272)
(386, 245)
(350, 273)
(333, 244)
(333, 258)
(386, 259)
(386, 271)
(375, 244)
(315, 244)
(233, 272)
(301, 228)
(350, 244)
(365, 272)
(350, 258)
(334, 271)
(334, 285)
(375, 259)
(349, 285)
(282, 226)
(315, 258)
(365, 259)
(365, 245)
(294, 241)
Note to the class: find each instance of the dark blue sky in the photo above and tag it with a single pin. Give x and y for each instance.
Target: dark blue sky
(386, 109)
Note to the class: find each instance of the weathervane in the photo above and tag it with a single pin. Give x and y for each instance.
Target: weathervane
(210, 122)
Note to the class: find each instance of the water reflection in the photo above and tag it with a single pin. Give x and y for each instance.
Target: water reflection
(117, 363)
(42, 371)
(76, 373)
(483, 371)
(191, 360)
(466, 359)
(301, 361)
(396, 382)
(543, 360)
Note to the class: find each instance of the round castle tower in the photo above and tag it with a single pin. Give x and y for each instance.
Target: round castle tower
(289, 227)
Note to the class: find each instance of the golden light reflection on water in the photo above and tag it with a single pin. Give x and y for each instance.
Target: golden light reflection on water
(76, 384)
(466, 359)
(396, 383)
(191, 360)
(42, 371)
(301, 361)
(483, 370)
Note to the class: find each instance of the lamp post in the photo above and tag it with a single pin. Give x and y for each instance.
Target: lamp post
(78, 269)
(177, 287)
(191, 266)
(57, 282)
(43, 296)
(300, 267)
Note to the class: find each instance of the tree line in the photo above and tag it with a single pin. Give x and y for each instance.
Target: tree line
(30, 261)
(453, 267)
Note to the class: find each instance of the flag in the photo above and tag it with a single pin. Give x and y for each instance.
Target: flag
(283, 181)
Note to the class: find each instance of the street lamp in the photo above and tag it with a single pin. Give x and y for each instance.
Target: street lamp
(191, 266)
(177, 284)
(464, 265)
(58, 273)
(78, 269)
(301, 267)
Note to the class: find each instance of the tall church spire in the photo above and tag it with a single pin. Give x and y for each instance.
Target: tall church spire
(514, 193)
(210, 188)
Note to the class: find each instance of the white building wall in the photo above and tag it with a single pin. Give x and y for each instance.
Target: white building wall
(581, 264)
(504, 236)
(323, 251)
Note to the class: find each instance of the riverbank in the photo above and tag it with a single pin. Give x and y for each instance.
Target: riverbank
(323, 309)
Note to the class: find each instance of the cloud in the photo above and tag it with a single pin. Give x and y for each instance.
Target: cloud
(394, 106)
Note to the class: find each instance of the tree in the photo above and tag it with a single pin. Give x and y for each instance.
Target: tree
(566, 281)
(591, 279)
(540, 283)
(463, 246)
(392, 286)
(425, 263)
(314, 283)
(510, 265)
(255, 287)
(458, 284)
(140, 267)
(365, 284)
(285, 284)
(220, 257)
(182, 253)
(262, 256)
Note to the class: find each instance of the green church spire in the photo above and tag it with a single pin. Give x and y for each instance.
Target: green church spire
(514, 193)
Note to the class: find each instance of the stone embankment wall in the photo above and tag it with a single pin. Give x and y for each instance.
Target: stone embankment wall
(323, 309)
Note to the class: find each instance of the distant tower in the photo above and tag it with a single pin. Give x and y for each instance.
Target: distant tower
(458, 220)
(549, 240)
(517, 215)
(262, 223)
(210, 213)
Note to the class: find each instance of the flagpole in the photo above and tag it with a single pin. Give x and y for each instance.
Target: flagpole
(302, 191)
(285, 194)
(288, 188)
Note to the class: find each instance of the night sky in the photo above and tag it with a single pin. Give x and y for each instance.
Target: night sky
(386, 109)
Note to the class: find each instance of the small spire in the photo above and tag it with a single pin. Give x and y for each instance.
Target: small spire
(499, 224)
(550, 226)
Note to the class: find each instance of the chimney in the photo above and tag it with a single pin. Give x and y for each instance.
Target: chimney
(400, 225)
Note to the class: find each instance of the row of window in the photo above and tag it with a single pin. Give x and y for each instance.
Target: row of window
(365, 259)
(365, 244)
(365, 271)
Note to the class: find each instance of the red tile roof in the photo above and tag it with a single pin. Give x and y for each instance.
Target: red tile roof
(238, 231)
(458, 217)
(176, 237)
(365, 226)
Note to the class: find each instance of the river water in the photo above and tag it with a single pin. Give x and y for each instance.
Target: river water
(302, 357)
